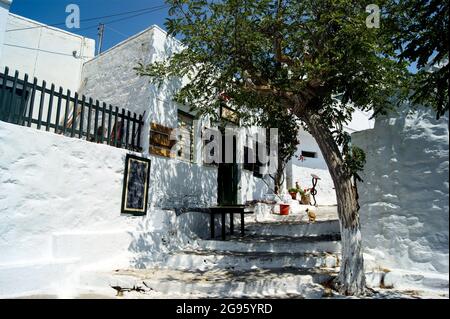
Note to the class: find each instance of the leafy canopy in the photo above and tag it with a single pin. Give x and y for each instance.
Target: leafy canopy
(420, 31)
(296, 53)
(303, 57)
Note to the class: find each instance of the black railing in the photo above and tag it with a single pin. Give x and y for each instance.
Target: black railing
(29, 104)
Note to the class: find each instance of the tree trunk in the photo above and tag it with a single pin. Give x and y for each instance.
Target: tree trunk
(279, 177)
(351, 280)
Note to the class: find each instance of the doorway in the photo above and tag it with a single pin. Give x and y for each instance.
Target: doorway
(227, 176)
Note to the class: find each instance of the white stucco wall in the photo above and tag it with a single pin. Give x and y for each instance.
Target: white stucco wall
(45, 52)
(300, 171)
(404, 197)
(4, 11)
(60, 201)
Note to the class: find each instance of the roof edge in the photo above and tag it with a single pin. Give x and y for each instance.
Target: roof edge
(150, 28)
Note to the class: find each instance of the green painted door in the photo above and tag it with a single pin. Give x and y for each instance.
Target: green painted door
(227, 183)
(227, 178)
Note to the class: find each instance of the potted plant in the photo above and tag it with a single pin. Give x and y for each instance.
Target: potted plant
(293, 192)
(305, 196)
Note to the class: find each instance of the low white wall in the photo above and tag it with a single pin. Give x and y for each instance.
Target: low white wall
(404, 197)
(60, 204)
(50, 183)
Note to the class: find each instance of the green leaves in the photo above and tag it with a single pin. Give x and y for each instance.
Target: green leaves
(355, 160)
(289, 59)
(419, 31)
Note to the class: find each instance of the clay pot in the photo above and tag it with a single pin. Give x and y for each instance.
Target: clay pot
(284, 209)
(293, 195)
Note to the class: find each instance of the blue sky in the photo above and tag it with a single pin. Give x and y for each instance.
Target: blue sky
(53, 11)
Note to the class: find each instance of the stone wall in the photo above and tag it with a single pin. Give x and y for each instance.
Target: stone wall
(404, 197)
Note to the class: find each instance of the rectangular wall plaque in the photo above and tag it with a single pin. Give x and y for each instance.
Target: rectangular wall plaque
(135, 185)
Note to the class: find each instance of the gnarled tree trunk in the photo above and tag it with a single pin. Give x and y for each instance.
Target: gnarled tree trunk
(351, 280)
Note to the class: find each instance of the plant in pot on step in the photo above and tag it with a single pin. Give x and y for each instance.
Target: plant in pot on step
(293, 192)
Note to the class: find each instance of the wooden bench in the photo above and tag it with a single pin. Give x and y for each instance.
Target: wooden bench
(228, 209)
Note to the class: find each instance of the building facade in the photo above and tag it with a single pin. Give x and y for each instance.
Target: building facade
(44, 52)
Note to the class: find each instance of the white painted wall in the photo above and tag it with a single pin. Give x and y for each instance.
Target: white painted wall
(405, 194)
(4, 11)
(300, 171)
(60, 202)
(45, 52)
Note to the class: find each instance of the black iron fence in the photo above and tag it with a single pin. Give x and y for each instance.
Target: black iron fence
(46, 108)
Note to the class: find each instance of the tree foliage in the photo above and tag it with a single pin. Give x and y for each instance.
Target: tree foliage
(308, 56)
(419, 30)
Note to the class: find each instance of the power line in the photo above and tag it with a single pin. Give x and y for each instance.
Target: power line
(116, 31)
(125, 18)
(141, 12)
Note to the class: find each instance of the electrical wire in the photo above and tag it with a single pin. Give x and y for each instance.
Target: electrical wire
(123, 19)
(116, 31)
(140, 12)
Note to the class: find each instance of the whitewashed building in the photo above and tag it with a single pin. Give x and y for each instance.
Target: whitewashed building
(60, 198)
(42, 51)
(111, 77)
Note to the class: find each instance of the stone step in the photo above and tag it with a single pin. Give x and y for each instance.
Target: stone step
(36, 277)
(213, 259)
(161, 283)
(279, 244)
(295, 229)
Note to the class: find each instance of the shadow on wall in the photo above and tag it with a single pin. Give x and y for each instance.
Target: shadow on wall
(175, 184)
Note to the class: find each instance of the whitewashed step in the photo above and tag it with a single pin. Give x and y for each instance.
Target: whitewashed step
(36, 277)
(211, 259)
(295, 229)
(154, 283)
(279, 244)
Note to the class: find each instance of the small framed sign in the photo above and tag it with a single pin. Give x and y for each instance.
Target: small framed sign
(135, 185)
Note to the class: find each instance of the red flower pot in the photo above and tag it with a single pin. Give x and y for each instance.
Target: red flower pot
(284, 209)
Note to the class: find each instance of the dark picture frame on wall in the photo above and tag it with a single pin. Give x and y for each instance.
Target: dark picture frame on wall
(135, 185)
